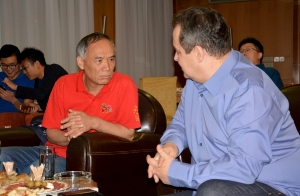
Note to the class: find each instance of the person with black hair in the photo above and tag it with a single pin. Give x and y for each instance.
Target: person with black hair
(34, 65)
(254, 51)
(10, 65)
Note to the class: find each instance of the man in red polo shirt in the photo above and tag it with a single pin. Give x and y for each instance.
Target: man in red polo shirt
(95, 99)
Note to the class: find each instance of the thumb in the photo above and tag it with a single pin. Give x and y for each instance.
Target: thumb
(161, 151)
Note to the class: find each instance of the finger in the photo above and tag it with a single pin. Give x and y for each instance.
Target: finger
(156, 178)
(157, 156)
(71, 131)
(151, 161)
(73, 112)
(162, 152)
(65, 120)
(150, 171)
(75, 132)
(70, 119)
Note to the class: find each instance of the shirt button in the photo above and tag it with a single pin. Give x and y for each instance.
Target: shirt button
(201, 95)
(200, 144)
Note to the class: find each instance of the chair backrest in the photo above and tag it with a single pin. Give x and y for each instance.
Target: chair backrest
(12, 119)
(292, 93)
(164, 90)
(152, 115)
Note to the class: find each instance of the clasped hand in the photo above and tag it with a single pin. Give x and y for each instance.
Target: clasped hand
(76, 123)
(159, 165)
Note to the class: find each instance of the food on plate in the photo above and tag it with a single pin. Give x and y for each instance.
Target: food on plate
(6, 180)
(2, 175)
(23, 189)
(2, 191)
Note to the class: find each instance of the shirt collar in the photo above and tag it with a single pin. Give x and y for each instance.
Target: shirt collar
(215, 82)
(81, 87)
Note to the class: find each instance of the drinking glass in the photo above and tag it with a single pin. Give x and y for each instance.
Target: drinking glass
(47, 157)
(9, 168)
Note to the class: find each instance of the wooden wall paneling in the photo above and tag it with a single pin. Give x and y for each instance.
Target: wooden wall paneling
(270, 21)
(105, 8)
(285, 37)
(296, 40)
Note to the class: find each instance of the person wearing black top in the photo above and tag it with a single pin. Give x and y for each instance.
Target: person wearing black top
(35, 68)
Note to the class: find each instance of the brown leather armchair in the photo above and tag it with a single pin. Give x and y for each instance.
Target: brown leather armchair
(18, 137)
(292, 93)
(119, 166)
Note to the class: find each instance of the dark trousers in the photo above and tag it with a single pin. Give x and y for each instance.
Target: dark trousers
(230, 188)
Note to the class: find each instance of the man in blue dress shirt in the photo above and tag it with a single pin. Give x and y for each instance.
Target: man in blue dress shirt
(232, 117)
(254, 51)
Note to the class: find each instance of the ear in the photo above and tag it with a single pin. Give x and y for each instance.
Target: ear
(199, 53)
(260, 55)
(37, 63)
(80, 62)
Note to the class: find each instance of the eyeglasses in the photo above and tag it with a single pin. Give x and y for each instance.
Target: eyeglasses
(12, 66)
(248, 50)
(24, 67)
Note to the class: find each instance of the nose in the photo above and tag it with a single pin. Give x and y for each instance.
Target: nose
(105, 65)
(175, 57)
(243, 51)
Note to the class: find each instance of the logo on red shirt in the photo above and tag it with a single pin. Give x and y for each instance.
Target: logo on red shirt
(106, 108)
(136, 113)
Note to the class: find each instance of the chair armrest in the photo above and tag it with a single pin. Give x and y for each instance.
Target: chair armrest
(18, 137)
(12, 119)
(118, 166)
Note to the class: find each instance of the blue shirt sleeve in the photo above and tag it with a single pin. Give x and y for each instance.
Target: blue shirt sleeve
(236, 149)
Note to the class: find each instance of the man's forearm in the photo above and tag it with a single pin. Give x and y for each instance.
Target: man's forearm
(56, 136)
(16, 103)
(113, 128)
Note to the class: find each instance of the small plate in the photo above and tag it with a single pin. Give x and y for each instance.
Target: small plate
(57, 186)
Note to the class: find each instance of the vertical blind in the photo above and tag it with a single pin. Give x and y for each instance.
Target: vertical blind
(52, 26)
(143, 32)
(144, 38)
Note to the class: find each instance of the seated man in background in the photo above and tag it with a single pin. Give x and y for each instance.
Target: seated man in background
(254, 51)
(10, 65)
(234, 120)
(95, 99)
(34, 65)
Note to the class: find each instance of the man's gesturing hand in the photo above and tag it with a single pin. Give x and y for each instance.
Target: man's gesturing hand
(159, 165)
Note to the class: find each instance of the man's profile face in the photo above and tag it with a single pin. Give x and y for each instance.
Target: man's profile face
(11, 67)
(29, 70)
(186, 61)
(99, 62)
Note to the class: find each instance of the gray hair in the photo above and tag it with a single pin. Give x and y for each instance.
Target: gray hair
(84, 43)
(205, 27)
